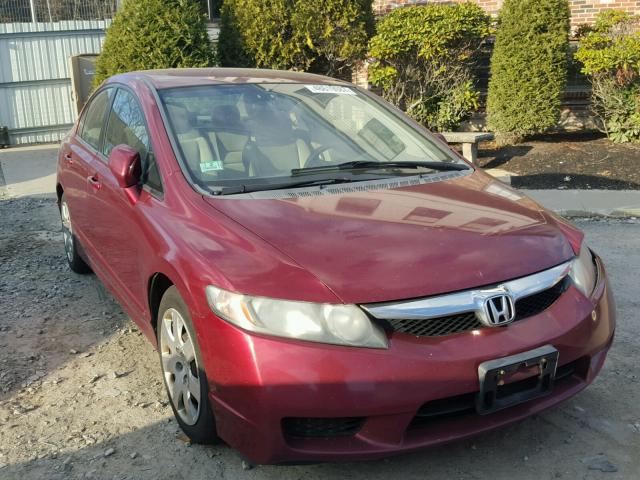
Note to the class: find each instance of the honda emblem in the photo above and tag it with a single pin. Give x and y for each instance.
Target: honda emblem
(499, 310)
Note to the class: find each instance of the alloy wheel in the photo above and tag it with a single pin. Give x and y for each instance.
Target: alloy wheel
(180, 366)
(67, 231)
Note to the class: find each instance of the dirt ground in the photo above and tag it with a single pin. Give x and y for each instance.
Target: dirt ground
(567, 161)
(81, 394)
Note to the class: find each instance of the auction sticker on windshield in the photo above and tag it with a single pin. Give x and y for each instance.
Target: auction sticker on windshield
(334, 89)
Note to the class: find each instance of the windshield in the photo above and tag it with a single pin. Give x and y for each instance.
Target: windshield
(280, 134)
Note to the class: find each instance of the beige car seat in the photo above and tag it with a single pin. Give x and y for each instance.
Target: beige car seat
(231, 136)
(195, 147)
(274, 148)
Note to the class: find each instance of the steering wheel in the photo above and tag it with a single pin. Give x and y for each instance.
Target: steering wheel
(313, 159)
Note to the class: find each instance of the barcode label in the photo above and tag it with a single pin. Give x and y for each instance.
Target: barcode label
(333, 89)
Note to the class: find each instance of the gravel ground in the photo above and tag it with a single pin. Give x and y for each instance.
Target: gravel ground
(81, 393)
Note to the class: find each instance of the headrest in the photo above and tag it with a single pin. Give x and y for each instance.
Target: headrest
(227, 115)
(272, 127)
(179, 118)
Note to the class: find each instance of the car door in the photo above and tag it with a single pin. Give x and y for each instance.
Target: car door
(79, 154)
(119, 228)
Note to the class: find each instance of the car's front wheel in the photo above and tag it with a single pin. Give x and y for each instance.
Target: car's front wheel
(76, 262)
(182, 369)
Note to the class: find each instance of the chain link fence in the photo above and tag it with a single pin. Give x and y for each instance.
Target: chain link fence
(22, 11)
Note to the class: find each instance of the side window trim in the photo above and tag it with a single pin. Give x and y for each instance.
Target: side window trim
(154, 192)
(159, 194)
(108, 121)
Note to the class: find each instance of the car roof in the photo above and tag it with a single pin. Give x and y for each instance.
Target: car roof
(182, 77)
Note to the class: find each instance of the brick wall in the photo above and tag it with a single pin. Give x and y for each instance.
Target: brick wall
(583, 11)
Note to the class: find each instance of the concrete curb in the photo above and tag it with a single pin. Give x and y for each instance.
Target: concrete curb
(589, 203)
(581, 203)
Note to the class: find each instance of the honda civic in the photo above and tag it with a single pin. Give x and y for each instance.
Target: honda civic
(323, 278)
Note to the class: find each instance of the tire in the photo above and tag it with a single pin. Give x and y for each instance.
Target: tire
(182, 369)
(71, 244)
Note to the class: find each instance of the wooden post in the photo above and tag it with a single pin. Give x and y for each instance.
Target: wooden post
(470, 152)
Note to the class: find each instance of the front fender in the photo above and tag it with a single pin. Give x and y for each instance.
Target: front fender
(195, 246)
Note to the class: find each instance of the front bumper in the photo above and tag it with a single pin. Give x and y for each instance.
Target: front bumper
(256, 382)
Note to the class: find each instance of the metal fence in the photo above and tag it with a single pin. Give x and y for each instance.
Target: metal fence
(34, 11)
(37, 38)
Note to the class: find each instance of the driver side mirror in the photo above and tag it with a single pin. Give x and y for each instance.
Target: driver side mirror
(124, 163)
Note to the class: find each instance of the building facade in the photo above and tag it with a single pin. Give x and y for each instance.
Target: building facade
(582, 11)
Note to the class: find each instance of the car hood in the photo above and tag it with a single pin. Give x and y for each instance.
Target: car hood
(399, 243)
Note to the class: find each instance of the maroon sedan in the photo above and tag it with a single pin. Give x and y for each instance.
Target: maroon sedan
(323, 278)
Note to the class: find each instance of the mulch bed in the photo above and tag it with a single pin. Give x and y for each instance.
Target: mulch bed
(576, 161)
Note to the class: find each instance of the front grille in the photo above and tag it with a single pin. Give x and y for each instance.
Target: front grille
(464, 322)
(437, 327)
(307, 427)
(539, 302)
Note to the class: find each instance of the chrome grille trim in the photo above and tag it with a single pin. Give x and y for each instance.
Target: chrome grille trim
(467, 300)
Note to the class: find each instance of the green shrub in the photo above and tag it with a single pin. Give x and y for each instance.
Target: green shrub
(423, 58)
(320, 36)
(528, 68)
(148, 34)
(264, 32)
(610, 54)
(333, 34)
(232, 50)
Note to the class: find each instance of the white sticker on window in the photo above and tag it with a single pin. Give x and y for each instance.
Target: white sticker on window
(334, 89)
(211, 166)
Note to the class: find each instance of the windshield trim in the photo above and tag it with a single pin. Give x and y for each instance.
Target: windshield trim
(299, 181)
(193, 183)
(384, 183)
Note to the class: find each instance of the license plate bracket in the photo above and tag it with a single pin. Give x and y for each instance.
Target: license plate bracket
(496, 394)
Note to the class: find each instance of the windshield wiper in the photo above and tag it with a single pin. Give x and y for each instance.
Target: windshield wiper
(354, 165)
(257, 187)
(371, 165)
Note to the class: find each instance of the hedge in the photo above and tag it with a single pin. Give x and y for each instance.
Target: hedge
(149, 34)
(424, 59)
(610, 54)
(320, 36)
(528, 68)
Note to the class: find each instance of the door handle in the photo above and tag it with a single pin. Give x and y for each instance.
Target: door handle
(68, 158)
(94, 182)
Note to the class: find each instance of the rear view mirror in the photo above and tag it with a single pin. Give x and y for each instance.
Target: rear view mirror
(382, 138)
(124, 163)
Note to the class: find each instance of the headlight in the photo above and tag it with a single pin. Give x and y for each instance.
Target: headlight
(315, 322)
(583, 271)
